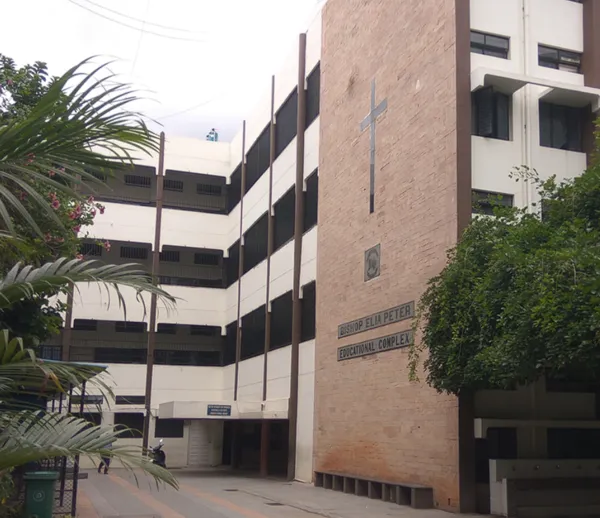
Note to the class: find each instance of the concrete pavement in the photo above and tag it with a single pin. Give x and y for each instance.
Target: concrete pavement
(219, 494)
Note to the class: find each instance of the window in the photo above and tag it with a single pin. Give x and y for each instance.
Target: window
(232, 263)
(253, 333)
(308, 303)
(573, 443)
(281, 321)
(206, 259)
(130, 400)
(490, 45)
(134, 252)
(168, 428)
(313, 92)
(234, 189)
(133, 421)
(99, 176)
(94, 418)
(138, 181)
(255, 243)
(91, 250)
(286, 123)
(561, 127)
(83, 324)
(130, 327)
(169, 256)
(190, 282)
(311, 198)
(205, 331)
(173, 185)
(484, 202)
(258, 158)
(230, 343)
(550, 57)
(490, 114)
(88, 399)
(284, 217)
(166, 329)
(192, 358)
(50, 352)
(208, 189)
(119, 355)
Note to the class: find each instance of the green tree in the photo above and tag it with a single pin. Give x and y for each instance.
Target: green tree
(520, 296)
(79, 126)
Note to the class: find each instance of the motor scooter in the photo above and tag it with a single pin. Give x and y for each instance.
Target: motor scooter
(158, 455)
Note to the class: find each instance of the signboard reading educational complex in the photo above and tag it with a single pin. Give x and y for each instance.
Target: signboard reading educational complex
(377, 345)
(383, 318)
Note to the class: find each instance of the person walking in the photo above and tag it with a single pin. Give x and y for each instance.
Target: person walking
(105, 461)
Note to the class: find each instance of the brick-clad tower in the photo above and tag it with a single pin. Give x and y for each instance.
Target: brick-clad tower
(370, 420)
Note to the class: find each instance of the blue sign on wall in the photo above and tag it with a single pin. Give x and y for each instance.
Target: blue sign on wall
(219, 410)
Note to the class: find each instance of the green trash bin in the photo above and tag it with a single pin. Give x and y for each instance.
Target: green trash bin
(39, 494)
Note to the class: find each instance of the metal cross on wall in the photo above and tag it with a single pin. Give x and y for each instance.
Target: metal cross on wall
(371, 121)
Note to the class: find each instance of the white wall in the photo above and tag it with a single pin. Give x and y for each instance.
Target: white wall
(203, 306)
(97, 302)
(557, 23)
(306, 404)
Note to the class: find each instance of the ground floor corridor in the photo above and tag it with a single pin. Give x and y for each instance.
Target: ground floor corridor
(218, 494)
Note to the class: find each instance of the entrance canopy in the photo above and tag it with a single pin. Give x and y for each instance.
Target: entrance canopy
(275, 409)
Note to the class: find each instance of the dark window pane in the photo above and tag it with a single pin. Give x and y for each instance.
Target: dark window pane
(545, 124)
(205, 331)
(134, 252)
(91, 250)
(502, 116)
(311, 199)
(230, 344)
(313, 93)
(234, 189)
(281, 321)
(118, 355)
(138, 181)
(477, 37)
(490, 114)
(130, 327)
(284, 217)
(133, 421)
(496, 42)
(253, 333)
(173, 185)
(490, 45)
(130, 400)
(485, 202)
(84, 324)
(166, 329)
(309, 310)
(208, 189)
(168, 428)
(169, 256)
(206, 259)
(286, 123)
(255, 243)
(485, 111)
(561, 127)
(232, 263)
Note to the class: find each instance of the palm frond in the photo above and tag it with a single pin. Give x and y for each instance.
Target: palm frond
(81, 125)
(33, 436)
(25, 281)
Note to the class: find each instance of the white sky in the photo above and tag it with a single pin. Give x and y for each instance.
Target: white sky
(222, 75)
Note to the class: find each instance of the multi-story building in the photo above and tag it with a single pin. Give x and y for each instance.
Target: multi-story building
(391, 117)
(461, 92)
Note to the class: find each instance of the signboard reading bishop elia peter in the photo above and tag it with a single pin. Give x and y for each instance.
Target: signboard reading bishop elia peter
(383, 318)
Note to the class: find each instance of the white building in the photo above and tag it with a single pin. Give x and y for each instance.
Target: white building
(473, 89)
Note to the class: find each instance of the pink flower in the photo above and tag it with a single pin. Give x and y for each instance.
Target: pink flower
(47, 237)
(72, 215)
(101, 209)
(79, 256)
(51, 173)
(9, 82)
(76, 228)
(55, 204)
(22, 195)
(93, 213)
(107, 246)
(91, 199)
(52, 195)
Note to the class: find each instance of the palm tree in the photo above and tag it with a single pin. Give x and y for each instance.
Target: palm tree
(81, 126)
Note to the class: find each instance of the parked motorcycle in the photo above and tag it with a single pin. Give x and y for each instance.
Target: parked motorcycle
(158, 455)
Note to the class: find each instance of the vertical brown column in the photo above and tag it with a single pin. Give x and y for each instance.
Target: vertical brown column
(298, 231)
(238, 336)
(235, 429)
(153, 298)
(67, 334)
(465, 410)
(590, 65)
(264, 431)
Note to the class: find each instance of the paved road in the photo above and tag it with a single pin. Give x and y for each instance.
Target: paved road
(222, 495)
